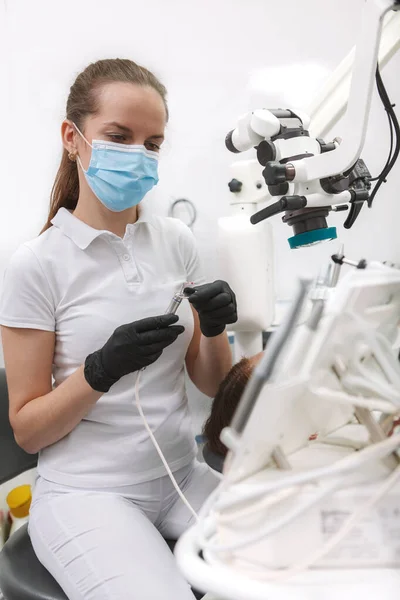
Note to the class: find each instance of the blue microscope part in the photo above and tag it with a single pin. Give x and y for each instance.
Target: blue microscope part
(309, 238)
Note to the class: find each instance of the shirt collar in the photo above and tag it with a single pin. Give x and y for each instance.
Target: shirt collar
(81, 233)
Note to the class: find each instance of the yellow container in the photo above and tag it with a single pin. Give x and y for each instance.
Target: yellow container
(19, 501)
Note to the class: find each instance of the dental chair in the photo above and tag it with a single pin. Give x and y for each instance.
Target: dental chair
(22, 576)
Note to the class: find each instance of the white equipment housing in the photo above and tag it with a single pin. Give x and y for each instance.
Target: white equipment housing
(246, 260)
(314, 391)
(252, 128)
(308, 507)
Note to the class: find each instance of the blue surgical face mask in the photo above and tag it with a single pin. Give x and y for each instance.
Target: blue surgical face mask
(120, 175)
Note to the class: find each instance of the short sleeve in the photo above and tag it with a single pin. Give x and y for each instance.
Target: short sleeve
(26, 299)
(190, 255)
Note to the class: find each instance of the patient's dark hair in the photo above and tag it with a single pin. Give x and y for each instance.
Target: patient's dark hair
(225, 403)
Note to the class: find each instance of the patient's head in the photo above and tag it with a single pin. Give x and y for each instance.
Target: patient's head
(226, 401)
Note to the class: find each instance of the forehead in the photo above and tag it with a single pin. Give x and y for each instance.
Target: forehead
(131, 105)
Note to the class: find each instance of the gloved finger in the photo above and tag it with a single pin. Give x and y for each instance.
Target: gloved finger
(189, 290)
(160, 344)
(151, 358)
(206, 291)
(232, 319)
(217, 322)
(157, 346)
(158, 322)
(233, 297)
(223, 299)
(221, 313)
(160, 335)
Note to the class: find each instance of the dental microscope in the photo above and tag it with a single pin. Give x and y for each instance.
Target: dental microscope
(308, 506)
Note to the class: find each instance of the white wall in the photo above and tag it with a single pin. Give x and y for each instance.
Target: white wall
(205, 52)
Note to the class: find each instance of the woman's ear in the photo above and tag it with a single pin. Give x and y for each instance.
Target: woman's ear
(68, 135)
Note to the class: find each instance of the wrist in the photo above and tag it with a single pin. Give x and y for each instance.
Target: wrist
(95, 374)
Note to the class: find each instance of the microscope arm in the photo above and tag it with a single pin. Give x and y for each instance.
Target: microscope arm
(347, 153)
(330, 103)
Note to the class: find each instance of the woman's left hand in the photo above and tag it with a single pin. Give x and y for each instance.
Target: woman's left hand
(215, 304)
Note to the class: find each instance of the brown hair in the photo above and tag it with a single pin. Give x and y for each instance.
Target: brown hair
(81, 103)
(225, 403)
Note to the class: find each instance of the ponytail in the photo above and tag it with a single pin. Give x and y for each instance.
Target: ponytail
(65, 190)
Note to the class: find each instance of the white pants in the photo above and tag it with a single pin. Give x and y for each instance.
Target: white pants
(107, 544)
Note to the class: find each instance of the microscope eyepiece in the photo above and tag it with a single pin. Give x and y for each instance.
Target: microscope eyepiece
(229, 143)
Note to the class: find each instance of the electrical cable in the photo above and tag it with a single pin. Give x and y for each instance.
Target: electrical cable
(271, 528)
(262, 504)
(159, 451)
(348, 525)
(349, 463)
(389, 109)
(354, 518)
(378, 451)
(389, 158)
(396, 127)
(300, 478)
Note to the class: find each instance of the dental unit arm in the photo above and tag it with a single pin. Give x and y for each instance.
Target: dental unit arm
(309, 177)
(313, 451)
(308, 506)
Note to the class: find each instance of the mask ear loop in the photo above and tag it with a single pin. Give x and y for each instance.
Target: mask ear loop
(81, 134)
(78, 159)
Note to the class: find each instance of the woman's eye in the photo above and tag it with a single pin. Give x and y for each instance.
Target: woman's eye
(116, 137)
(153, 147)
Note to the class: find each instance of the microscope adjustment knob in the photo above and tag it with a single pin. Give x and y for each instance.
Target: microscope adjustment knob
(235, 185)
(275, 173)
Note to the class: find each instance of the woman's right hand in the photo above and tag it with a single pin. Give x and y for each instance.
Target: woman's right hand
(130, 348)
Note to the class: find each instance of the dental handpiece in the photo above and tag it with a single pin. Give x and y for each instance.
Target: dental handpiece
(177, 299)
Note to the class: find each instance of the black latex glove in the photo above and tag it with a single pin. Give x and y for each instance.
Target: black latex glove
(130, 348)
(215, 304)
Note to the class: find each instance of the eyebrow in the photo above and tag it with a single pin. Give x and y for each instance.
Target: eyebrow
(128, 130)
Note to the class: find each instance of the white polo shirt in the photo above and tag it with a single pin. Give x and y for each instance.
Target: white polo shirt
(82, 284)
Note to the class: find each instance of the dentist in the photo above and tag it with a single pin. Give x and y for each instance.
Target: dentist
(81, 313)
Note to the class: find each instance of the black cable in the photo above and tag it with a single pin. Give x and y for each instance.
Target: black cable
(391, 116)
(390, 150)
(371, 179)
(388, 107)
(395, 132)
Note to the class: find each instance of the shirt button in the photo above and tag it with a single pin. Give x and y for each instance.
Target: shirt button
(126, 257)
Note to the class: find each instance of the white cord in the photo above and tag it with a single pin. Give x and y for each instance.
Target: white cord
(264, 503)
(160, 454)
(271, 528)
(347, 526)
(348, 463)
(339, 468)
(283, 575)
